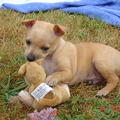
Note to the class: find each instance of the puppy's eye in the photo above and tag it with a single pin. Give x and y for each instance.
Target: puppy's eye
(45, 48)
(28, 42)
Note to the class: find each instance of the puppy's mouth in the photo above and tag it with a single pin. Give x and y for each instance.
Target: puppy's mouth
(32, 58)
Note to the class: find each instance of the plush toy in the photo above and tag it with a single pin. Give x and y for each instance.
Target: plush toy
(34, 76)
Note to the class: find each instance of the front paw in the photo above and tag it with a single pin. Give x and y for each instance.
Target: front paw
(51, 81)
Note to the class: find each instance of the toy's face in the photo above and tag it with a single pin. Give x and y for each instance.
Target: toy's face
(34, 73)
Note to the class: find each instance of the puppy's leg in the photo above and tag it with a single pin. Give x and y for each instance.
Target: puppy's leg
(109, 74)
(111, 84)
(62, 76)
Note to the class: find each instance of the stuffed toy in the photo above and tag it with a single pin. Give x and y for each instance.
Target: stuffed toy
(34, 95)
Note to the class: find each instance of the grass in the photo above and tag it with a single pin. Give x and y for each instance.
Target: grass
(83, 105)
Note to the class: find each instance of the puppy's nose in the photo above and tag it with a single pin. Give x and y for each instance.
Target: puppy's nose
(30, 58)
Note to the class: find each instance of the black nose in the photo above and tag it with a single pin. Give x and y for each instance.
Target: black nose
(30, 58)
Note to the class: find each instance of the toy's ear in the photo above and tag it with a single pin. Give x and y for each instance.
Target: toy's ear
(28, 23)
(22, 70)
(39, 61)
(59, 30)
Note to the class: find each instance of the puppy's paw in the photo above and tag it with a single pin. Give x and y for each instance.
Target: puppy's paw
(51, 81)
(14, 99)
(25, 97)
(101, 93)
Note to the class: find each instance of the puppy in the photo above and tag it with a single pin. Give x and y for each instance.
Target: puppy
(71, 63)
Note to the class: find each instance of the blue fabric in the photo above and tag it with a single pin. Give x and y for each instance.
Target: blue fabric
(105, 10)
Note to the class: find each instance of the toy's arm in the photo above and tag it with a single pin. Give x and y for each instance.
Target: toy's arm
(15, 99)
(27, 88)
(50, 102)
(31, 88)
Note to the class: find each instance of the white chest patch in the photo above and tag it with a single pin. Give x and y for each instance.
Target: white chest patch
(48, 66)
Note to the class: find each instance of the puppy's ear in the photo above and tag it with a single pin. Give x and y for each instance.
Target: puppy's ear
(28, 23)
(22, 70)
(40, 61)
(59, 30)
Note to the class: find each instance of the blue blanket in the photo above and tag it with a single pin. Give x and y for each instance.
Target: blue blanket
(105, 10)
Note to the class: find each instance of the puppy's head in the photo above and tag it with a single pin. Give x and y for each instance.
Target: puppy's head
(42, 39)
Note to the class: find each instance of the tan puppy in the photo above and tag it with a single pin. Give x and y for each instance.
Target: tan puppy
(71, 63)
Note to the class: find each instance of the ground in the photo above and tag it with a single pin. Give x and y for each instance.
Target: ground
(82, 104)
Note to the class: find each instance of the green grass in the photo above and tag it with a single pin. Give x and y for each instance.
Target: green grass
(82, 105)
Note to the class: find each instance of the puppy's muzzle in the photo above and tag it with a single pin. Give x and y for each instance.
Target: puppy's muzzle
(30, 58)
